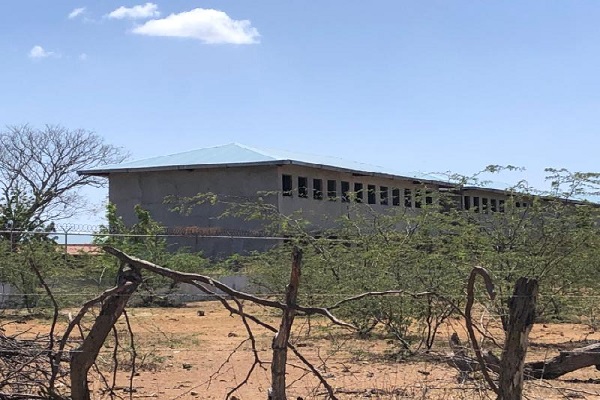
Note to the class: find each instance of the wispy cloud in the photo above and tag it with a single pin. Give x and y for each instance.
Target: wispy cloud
(38, 52)
(83, 57)
(147, 10)
(208, 25)
(76, 12)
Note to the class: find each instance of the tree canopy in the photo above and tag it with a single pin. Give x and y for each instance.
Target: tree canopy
(38, 173)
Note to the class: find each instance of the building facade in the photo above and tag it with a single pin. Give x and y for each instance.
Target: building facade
(321, 188)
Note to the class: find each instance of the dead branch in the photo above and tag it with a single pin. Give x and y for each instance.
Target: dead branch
(54, 358)
(133, 353)
(225, 289)
(565, 362)
(282, 337)
(85, 355)
(193, 279)
(469, 323)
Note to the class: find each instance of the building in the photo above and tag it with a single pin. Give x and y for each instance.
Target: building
(322, 188)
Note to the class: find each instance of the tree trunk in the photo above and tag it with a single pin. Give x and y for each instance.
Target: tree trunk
(520, 322)
(280, 341)
(565, 362)
(85, 355)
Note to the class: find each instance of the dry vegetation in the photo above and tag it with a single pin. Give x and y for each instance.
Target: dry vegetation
(182, 354)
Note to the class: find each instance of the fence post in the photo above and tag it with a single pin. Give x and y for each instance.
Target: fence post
(280, 341)
(520, 321)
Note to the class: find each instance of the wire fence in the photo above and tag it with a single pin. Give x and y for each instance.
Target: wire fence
(199, 350)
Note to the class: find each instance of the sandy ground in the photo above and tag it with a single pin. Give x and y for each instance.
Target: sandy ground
(184, 355)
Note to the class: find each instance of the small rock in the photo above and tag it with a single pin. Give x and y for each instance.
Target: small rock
(232, 334)
(194, 393)
(200, 313)
(187, 366)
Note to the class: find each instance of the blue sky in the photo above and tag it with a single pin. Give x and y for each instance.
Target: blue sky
(413, 85)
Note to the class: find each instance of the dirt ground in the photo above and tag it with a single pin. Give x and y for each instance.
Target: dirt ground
(201, 352)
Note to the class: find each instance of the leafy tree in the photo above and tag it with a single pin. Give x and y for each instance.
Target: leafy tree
(427, 253)
(145, 239)
(38, 174)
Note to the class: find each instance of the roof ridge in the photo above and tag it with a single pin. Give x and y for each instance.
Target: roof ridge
(262, 152)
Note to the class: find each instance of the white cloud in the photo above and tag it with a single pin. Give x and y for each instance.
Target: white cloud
(83, 57)
(208, 25)
(76, 12)
(39, 52)
(148, 10)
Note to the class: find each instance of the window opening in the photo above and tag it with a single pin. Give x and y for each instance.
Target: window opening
(476, 203)
(371, 194)
(318, 189)
(417, 198)
(395, 197)
(303, 187)
(345, 191)
(428, 197)
(383, 195)
(407, 198)
(358, 192)
(286, 185)
(466, 202)
(331, 190)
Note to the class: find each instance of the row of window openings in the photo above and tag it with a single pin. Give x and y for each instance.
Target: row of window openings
(486, 205)
(357, 194)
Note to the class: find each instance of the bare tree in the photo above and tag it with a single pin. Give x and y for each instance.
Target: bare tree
(38, 173)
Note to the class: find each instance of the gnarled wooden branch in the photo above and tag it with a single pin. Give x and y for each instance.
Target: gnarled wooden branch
(469, 323)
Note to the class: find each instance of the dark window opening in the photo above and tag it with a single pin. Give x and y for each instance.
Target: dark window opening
(303, 187)
(476, 203)
(525, 205)
(466, 202)
(407, 198)
(428, 197)
(484, 204)
(332, 190)
(518, 204)
(383, 195)
(395, 197)
(501, 205)
(345, 191)
(417, 198)
(318, 189)
(494, 205)
(371, 194)
(358, 192)
(286, 185)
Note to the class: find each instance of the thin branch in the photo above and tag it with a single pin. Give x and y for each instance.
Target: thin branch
(469, 323)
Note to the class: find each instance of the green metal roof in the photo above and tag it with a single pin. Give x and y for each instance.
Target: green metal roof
(236, 154)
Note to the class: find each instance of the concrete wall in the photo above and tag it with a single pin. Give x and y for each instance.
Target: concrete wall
(324, 213)
(232, 184)
(243, 183)
(483, 201)
(149, 189)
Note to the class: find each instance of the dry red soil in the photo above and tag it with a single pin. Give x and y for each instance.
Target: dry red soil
(187, 355)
